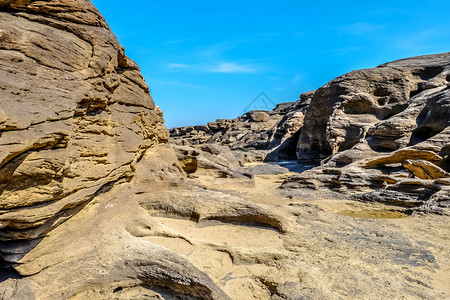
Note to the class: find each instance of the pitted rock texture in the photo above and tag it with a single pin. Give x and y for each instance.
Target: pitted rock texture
(383, 133)
(214, 159)
(395, 105)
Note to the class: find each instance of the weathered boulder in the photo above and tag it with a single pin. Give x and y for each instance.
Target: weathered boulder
(209, 158)
(379, 106)
(259, 116)
(267, 169)
(403, 155)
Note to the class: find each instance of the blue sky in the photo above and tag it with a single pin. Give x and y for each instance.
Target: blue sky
(205, 60)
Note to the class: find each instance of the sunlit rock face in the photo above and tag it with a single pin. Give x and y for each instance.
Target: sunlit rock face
(400, 109)
(395, 105)
(383, 133)
(75, 116)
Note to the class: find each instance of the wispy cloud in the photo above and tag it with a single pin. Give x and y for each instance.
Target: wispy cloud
(218, 57)
(178, 66)
(233, 68)
(224, 67)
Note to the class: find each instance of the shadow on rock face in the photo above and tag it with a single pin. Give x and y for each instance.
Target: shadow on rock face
(8, 272)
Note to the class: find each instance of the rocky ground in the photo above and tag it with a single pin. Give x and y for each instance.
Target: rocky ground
(239, 238)
(96, 202)
(325, 246)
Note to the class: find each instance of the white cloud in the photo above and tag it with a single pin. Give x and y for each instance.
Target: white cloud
(177, 66)
(233, 68)
(226, 67)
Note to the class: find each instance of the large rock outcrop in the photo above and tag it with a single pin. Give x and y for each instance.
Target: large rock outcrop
(395, 105)
(80, 137)
(379, 134)
(384, 133)
(75, 116)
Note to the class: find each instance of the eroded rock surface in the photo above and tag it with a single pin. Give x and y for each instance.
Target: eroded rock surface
(76, 115)
(380, 134)
(383, 132)
(322, 246)
(212, 158)
(80, 135)
(95, 204)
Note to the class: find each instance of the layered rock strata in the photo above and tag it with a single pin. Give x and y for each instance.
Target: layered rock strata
(75, 116)
(383, 133)
(380, 134)
(83, 150)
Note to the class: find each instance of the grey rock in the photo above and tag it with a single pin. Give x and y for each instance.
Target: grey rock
(267, 169)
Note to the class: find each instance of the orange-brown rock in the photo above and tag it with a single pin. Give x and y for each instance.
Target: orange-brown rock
(401, 156)
(425, 169)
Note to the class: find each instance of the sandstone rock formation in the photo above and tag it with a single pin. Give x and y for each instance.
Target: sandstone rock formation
(379, 134)
(76, 116)
(214, 158)
(80, 138)
(384, 133)
(95, 203)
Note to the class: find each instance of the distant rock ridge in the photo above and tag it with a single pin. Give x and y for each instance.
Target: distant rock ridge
(273, 134)
(399, 109)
